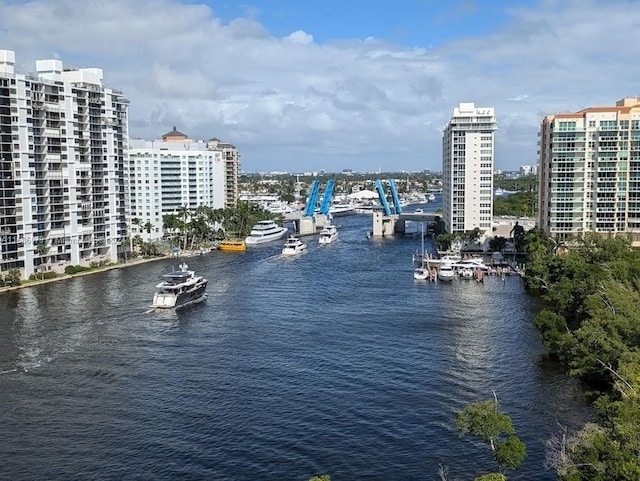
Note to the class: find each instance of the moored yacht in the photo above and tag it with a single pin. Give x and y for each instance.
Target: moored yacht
(179, 288)
(445, 272)
(265, 231)
(421, 273)
(339, 210)
(293, 246)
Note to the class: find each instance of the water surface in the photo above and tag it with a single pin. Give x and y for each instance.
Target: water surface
(334, 362)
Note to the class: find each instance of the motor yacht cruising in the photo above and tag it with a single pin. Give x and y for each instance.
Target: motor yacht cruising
(179, 288)
(328, 234)
(293, 246)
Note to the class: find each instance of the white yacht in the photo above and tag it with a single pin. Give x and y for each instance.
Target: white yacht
(328, 234)
(265, 231)
(470, 263)
(421, 273)
(279, 208)
(445, 272)
(179, 288)
(339, 210)
(293, 246)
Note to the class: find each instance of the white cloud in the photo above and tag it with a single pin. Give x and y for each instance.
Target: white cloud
(287, 102)
(301, 37)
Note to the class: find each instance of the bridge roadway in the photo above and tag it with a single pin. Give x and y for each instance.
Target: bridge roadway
(414, 216)
(398, 221)
(418, 216)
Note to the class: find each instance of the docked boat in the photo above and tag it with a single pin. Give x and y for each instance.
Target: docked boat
(265, 231)
(421, 273)
(293, 246)
(279, 208)
(339, 210)
(232, 245)
(471, 263)
(466, 273)
(445, 272)
(179, 288)
(432, 197)
(328, 234)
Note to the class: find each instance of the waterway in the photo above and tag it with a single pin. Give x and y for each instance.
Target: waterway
(334, 362)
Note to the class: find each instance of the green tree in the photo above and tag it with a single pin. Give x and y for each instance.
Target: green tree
(484, 420)
(496, 244)
(148, 227)
(184, 213)
(439, 226)
(443, 241)
(592, 324)
(491, 477)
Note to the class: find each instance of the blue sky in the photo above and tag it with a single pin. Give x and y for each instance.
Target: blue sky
(305, 85)
(412, 23)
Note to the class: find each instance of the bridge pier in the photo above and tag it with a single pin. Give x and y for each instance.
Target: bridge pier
(386, 225)
(309, 225)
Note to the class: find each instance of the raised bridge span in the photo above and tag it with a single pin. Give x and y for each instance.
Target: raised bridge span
(388, 219)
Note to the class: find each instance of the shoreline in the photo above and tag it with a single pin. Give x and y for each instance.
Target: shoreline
(62, 277)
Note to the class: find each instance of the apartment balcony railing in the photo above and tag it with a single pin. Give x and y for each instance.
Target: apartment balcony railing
(559, 149)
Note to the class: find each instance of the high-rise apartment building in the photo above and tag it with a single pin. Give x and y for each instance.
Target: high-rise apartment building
(467, 169)
(231, 163)
(62, 196)
(590, 171)
(175, 172)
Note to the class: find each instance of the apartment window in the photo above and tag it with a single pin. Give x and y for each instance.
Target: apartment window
(608, 125)
(566, 126)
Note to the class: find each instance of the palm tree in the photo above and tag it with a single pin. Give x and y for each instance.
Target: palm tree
(215, 217)
(41, 250)
(171, 223)
(184, 213)
(148, 227)
(137, 222)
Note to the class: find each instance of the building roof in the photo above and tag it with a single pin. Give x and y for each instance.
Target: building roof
(624, 107)
(175, 133)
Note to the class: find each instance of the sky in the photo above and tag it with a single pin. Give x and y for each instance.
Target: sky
(367, 85)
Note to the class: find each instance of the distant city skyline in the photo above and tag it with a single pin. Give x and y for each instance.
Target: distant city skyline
(310, 86)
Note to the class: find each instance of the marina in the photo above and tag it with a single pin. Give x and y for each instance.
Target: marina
(356, 371)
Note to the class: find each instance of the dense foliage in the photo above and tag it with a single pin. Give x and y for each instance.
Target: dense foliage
(520, 204)
(592, 324)
(527, 183)
(494, 428)
(200, 227)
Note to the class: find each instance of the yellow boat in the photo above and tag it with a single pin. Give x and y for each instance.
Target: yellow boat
(232, 245)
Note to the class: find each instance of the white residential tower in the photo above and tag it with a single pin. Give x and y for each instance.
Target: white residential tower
(467, 169)
(62, 138)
